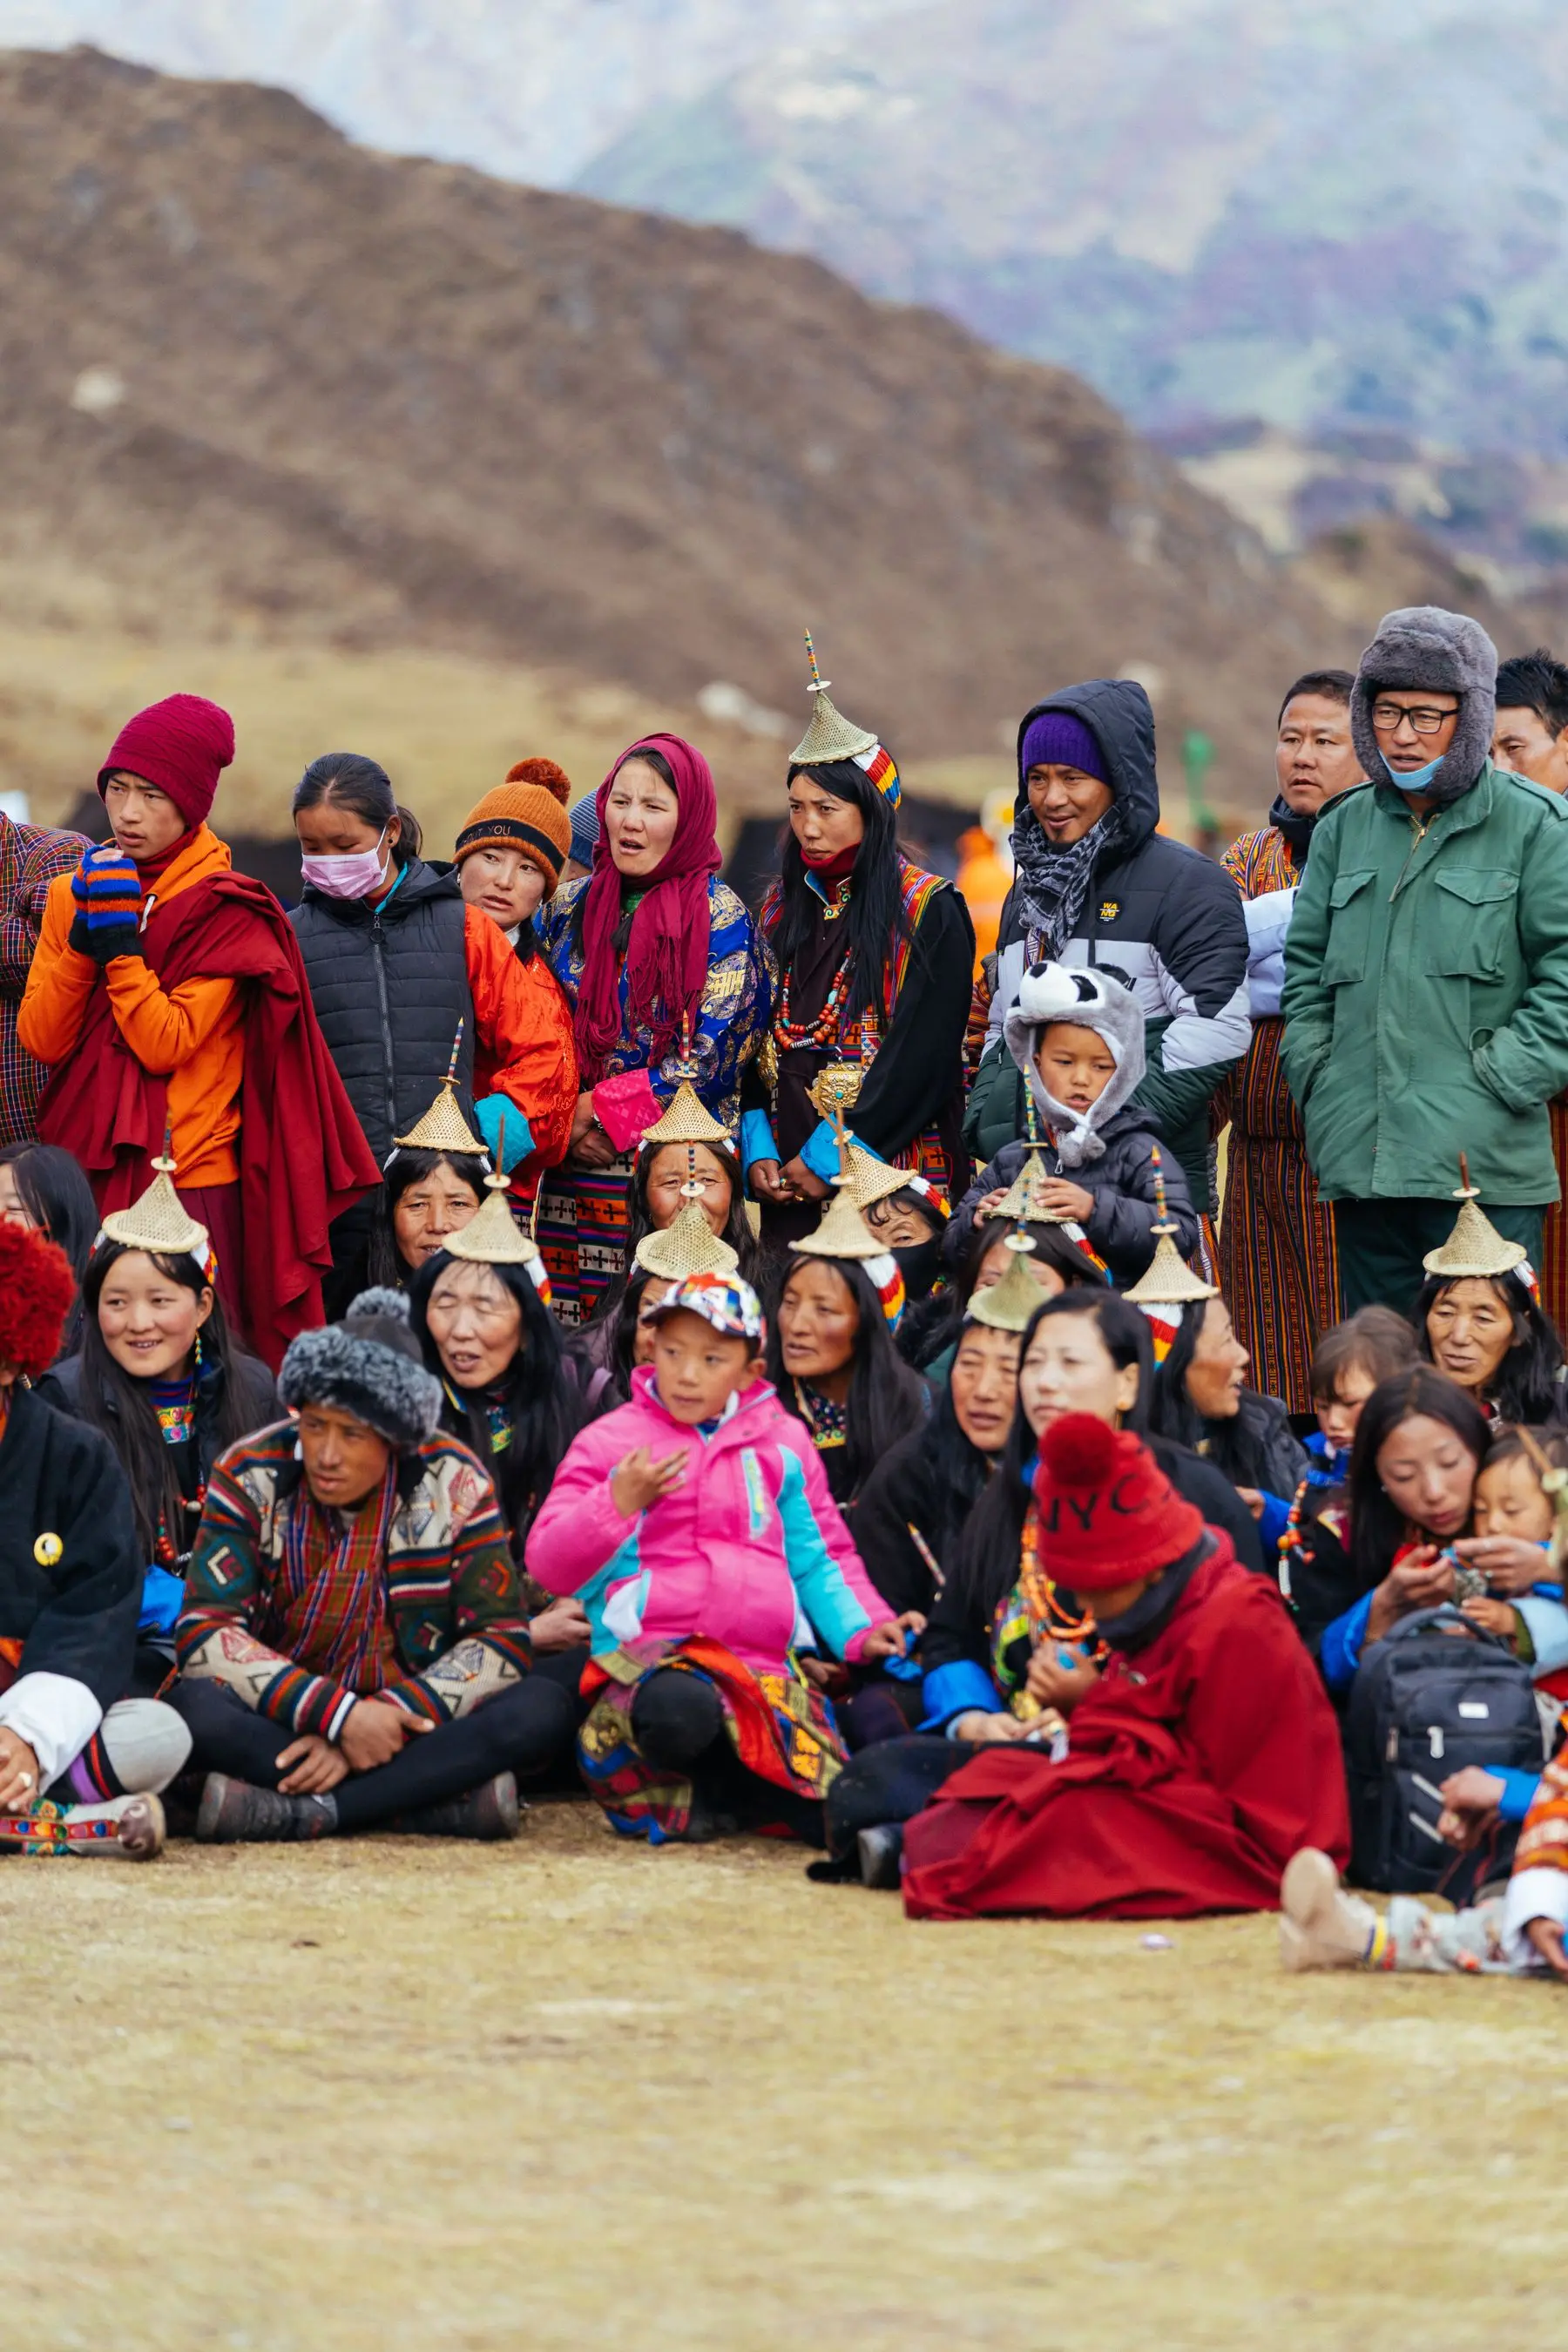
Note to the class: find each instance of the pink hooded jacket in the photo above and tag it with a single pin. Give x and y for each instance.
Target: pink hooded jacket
(751, 1551)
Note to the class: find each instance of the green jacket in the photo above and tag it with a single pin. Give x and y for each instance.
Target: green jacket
(1426, 992)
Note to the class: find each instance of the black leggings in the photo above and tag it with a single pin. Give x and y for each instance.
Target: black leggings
(519, 1730)
(678, 1723)
(891, 1782)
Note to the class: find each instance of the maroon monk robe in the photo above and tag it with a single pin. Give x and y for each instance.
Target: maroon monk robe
(1197, 1767)
(303, 1158)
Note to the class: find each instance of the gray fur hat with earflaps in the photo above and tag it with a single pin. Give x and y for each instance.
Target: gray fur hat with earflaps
(369, 1365)
(1090, 998)
(1422, 648)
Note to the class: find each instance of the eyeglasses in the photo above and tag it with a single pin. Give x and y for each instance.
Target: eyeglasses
(1388, 717)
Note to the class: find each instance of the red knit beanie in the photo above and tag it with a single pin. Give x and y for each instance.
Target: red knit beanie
(36, 1288)
(181, 745)
(1109, 1515)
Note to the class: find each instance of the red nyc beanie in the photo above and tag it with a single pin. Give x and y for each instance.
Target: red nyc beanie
(1109, 1515)
(181, 745)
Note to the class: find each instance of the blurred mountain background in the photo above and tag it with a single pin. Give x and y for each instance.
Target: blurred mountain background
(577, 448)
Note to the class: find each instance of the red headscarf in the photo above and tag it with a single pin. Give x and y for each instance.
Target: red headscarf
(666, 955)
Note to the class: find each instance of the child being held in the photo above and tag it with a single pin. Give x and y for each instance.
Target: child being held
(695, 1526)
(1348, 1363)
(1514, 1518)
(1077, 1038)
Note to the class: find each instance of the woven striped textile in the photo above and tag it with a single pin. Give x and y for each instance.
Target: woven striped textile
(584, 1217)
(1277, 1265)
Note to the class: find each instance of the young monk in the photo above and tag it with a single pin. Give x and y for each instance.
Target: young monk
(696, 1526)
(353, 1648)
(168, 996)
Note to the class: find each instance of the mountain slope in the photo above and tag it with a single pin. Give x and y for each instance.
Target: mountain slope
(249, 370)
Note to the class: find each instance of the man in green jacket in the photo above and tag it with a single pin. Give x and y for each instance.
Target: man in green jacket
(1426, 968)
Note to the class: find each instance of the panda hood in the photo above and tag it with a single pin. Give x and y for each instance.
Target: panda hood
(1091, 999)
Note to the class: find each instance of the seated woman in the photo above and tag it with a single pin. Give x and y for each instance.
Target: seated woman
(158, 1375)
(908, 1216)
(916, 1502)
(44, 1188)
(696, 1525)
(353, 1652)
(431, 1188)
(1419, 1443)
(480, 1309)
(1078, 1039)
(81, 1765)
(998, 1647)
(1477, 1319)
(1198, 1756)
(1199, 1398)
(831, 1351)
(1061, 1259)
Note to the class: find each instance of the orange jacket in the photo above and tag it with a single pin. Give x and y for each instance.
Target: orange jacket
(523, 1046)
(193, 1033)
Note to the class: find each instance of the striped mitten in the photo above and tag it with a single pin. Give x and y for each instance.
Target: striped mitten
(108, 893)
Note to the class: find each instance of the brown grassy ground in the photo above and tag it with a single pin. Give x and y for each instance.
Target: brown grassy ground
(571, 2093)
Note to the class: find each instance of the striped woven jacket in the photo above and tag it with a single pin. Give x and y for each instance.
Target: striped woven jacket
(441, 1600)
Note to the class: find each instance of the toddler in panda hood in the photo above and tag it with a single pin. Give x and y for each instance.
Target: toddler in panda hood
(1078, 1036)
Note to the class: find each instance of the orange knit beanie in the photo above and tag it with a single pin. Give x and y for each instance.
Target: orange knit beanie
(527, 813)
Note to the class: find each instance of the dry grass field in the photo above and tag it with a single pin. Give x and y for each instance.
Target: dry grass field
(571, 2093)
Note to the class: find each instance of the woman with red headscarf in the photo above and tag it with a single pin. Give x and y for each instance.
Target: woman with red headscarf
(660, 962)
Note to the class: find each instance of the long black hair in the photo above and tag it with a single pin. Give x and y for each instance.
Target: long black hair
(232, 1395)
(961, 1473)
(874, 919)
(988, 1550)
(544, 1407)
(886, 1400)
(1526, 1387)
(385, 1262)
(1236, 1447)
(347, 780)
(931, 1324)
(736, 1230)
(1378, 1528)
(57, 1197)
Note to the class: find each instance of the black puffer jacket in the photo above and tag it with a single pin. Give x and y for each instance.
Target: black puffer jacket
(256, 1396)
(1122, 1183)
(390, 984)
(1165, 918)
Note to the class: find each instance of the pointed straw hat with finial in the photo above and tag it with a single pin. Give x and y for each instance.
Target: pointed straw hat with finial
(831, 737)
(689, 1245)
(687, 1119)
(443, 1126)
(1009, 1305)
(1021, 1200)
(1475, 1248)
(494, 1237)
(1169, 1285)
(844, 1233)
(160, 1221)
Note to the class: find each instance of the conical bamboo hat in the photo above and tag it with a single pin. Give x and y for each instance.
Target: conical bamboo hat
(1475, 1247)
(830, 735)
(494, 1237)
(869, 1179)
(689, 1245)
(688, 1121)
(1020, 1201)
(1170, 1280)
(159, 1222)
(843, 1232)
(443, 1128)
(1009, 1305)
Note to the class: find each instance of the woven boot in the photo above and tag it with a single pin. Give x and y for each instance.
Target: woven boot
(490, 1812)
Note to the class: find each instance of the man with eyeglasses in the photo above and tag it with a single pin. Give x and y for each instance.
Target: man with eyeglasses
(1425, 993)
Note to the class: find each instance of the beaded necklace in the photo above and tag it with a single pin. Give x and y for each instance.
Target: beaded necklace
(1040, 1596)
(790, 1034)
(827, 1422)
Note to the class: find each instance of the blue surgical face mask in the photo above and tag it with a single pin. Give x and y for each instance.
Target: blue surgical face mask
(1415, 780)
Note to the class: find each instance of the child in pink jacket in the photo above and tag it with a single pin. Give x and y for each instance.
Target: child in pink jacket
(695, 1526)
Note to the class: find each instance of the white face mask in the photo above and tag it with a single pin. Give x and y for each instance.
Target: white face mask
(350, 875)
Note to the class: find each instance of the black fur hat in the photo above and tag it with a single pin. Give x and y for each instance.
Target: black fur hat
(369, 1365)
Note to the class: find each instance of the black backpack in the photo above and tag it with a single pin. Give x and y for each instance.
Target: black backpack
(1425, 1704)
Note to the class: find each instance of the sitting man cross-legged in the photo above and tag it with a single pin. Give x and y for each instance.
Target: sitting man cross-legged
(353, 1651)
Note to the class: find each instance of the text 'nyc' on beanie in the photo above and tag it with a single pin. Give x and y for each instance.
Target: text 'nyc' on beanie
(181, 745)
(527, 813)
(1109, 1515)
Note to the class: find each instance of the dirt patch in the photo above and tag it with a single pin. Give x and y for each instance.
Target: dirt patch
(571, 2093)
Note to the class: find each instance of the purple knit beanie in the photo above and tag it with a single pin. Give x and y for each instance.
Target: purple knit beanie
(1056, 739)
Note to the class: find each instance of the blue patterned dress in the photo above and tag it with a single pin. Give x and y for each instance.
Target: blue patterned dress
(584, 1215)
